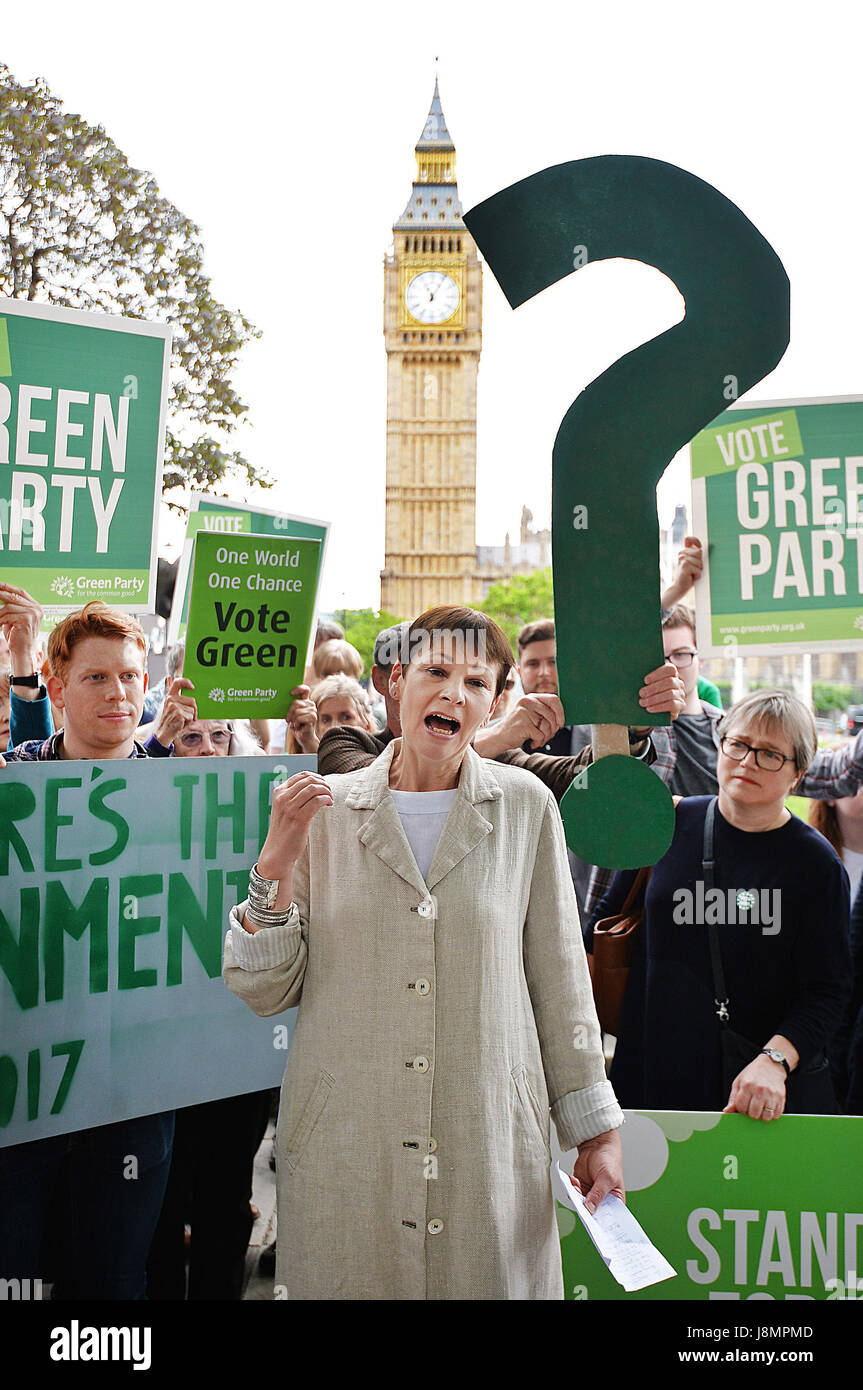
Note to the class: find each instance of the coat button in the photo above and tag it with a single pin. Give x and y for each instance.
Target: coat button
(432, 1145)
(420, 1064)
(422, 986)
(435, 1226)
(425, 909)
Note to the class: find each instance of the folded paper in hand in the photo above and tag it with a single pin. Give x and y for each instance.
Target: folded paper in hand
(631, 1258)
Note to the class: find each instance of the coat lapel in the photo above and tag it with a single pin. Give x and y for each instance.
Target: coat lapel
(383, 832)
(466, 826)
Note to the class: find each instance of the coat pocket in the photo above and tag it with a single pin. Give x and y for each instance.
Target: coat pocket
(529, 1106)
(302, 1131)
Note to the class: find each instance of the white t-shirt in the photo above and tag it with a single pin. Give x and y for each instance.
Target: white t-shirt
(853, 867)
(423, 816)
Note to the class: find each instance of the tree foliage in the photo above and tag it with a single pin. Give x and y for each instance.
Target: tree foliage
(522, 599)
(79, 227)
(362, 626)
(828, 696)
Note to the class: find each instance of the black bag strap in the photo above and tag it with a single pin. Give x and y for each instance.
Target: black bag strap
(708, 864)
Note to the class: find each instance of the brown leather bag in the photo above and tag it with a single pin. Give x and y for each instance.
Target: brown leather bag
(614, 941)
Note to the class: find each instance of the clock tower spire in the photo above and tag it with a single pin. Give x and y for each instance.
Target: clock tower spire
(432, 333)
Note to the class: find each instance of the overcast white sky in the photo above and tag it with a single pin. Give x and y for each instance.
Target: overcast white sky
(287, 134)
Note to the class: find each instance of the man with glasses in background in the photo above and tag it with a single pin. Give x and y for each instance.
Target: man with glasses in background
(688, 747)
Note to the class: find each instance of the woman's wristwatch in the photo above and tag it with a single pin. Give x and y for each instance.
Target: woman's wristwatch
(776, 1056)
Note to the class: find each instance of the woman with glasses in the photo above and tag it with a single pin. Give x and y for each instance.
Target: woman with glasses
(742, 967)
(180, 732)
(221, 738)
(209, 738)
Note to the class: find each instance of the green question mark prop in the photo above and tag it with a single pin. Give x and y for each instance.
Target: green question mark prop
(620, 433)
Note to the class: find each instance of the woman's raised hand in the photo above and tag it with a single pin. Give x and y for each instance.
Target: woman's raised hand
(295, 805)
(177, 711)
(302, 718)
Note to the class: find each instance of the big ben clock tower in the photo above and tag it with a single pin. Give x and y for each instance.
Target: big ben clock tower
(432, 331)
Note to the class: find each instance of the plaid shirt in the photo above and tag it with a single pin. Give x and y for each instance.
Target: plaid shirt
(37, 750)
(833, 773)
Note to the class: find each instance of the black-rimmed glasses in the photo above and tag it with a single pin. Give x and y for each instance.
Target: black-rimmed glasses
(682, 658)
(765, 758)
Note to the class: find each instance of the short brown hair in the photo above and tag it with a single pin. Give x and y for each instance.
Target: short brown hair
(778, 709)
(95, 619)
(452, 618)
(679, 616)
(540, 631)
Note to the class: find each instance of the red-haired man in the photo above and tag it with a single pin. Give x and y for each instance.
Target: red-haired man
(98, 678)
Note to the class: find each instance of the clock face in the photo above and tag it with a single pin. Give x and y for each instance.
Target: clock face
(432, 297)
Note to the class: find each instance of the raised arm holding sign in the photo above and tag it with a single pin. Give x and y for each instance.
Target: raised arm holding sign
(250, 617)
(82, 415)
(177, 711)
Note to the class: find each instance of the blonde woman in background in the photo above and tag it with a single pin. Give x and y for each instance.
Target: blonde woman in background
(335, 657)
(336, 702)
(326, 630)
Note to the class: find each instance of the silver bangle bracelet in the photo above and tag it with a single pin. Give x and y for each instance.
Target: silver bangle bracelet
(266, 917)
(262, 891)
(262, 900)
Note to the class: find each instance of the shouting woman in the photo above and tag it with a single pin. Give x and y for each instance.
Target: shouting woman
(421, 914)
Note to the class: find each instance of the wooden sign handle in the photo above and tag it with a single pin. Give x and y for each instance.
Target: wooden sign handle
(610, 738)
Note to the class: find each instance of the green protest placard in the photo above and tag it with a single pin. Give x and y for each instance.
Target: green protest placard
(223, 516)
(116, 880)
(83, 399)
(741, 1208)
(776, 493)
(250, 617)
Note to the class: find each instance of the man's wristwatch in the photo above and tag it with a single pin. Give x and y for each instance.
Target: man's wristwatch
(33, 681)
(776, 1056)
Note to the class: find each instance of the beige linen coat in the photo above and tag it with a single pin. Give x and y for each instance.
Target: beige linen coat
(436, 1024)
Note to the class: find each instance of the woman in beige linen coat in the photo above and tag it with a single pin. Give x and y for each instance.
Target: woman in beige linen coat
(439, 1019)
